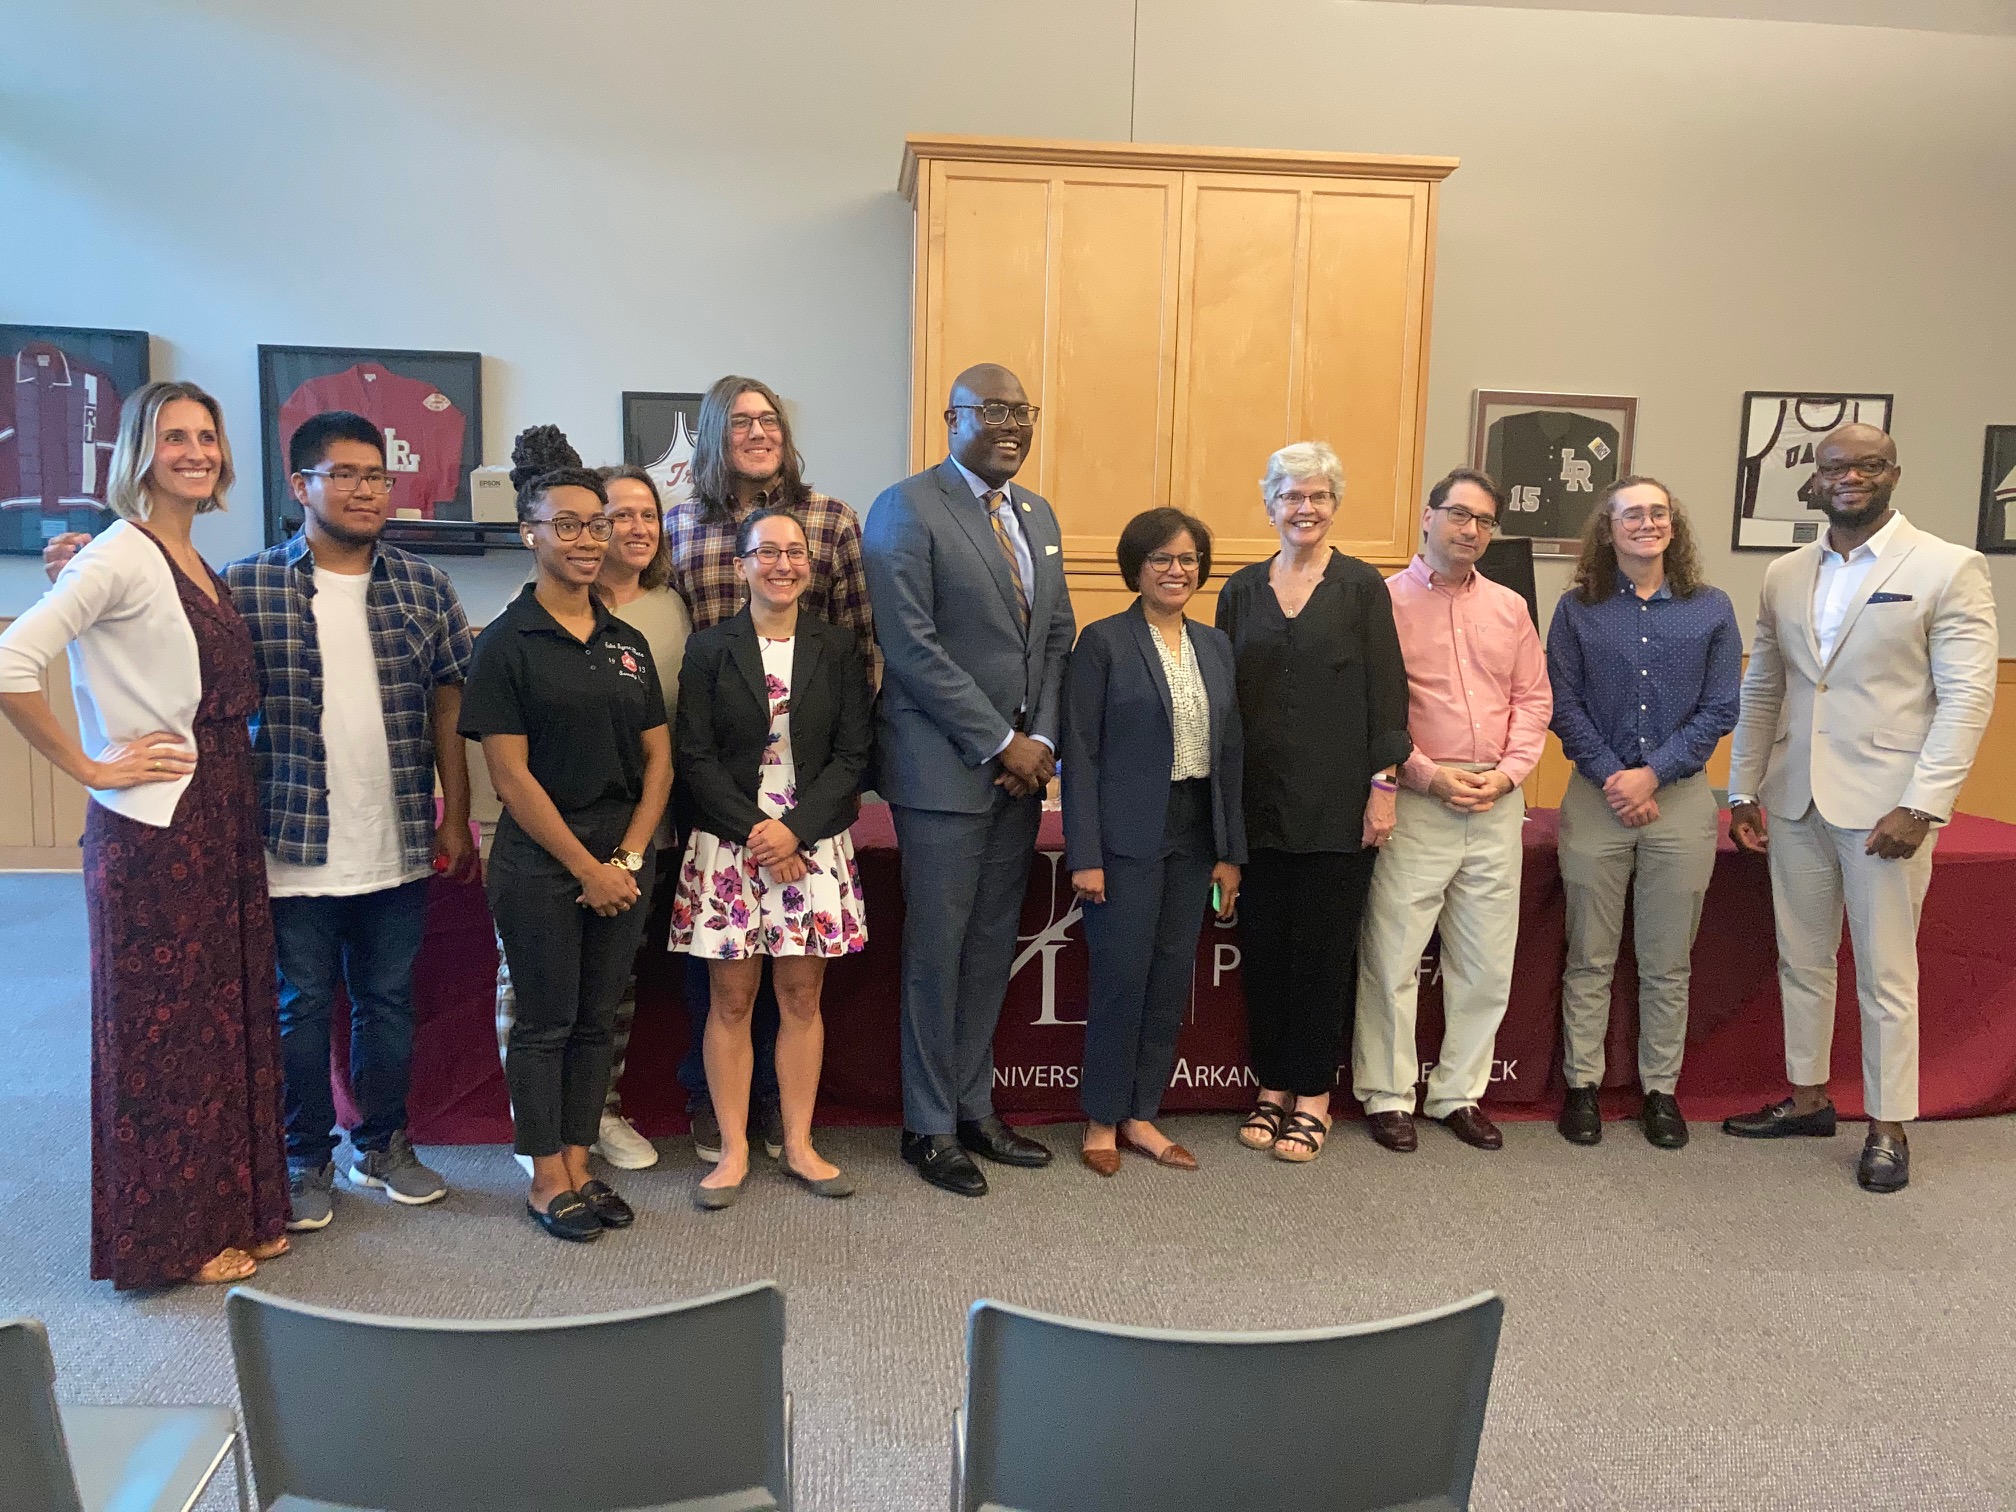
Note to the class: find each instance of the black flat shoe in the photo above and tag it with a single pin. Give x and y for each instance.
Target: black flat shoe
(992, 1138)
(1665, 1125)
(609, 1209)
(940, 1161)
(1581, 1120)
(568, 1217)
(1885, 1165)
(1779, 1122)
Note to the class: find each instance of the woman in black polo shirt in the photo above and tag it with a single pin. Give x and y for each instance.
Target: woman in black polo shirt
(565, 699)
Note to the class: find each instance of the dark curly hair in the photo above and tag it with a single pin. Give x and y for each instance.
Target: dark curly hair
(1596, 565)
(543, 459)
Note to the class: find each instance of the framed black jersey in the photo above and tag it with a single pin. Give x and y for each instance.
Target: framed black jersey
(1997, 529)
(1552, 455)
(60, 392)
(1775, 462)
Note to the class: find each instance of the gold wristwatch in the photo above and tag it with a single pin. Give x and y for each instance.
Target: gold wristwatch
(629, 860)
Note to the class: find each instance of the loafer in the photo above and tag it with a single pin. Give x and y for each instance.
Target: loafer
(1885, 1165)
(1779, 1122)
(1665, 1125)
(1393, 1131)
(1474, 1129)
(568, 1216)
(992, 1138)
(940, 1161)
(1581, 1120)
(602, 1200)
(1101, 1162)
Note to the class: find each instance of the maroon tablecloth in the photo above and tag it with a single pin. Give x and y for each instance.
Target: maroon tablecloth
(1735, 1050)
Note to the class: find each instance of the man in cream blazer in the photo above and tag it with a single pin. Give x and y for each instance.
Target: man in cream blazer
(1872, 674)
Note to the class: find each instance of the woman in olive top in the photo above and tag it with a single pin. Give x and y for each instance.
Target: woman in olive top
(565, 698)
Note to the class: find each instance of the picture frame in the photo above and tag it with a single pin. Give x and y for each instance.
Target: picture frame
(1996, 532)
(1552, 455)
(68, 383)
(430, 406)
(658, 434)
(1774, 461)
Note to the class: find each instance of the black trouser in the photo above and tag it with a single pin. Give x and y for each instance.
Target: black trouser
(1298, 923)
(568, 966)
(1143, 946)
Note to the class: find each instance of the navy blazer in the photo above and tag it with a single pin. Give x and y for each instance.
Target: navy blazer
(1120, 742)
(956, 662)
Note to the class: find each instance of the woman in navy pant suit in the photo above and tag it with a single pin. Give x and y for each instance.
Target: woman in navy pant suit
(1151, 766)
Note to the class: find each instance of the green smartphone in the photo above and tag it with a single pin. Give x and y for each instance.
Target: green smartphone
(1217, 898)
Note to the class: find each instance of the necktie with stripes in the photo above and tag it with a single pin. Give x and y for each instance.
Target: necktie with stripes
(1007, 545)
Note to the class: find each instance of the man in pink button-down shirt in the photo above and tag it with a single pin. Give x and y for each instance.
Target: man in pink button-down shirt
(1478, 703)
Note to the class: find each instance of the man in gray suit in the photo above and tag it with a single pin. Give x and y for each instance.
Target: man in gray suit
(966, 573)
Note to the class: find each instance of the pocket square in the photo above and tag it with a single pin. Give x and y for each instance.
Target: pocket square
(1049, 551)
(1889, 598)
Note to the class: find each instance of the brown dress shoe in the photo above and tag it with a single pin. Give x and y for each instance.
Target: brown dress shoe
(1473, 1128)
(1394, 1131)
(1174, 1156)
(1101, 1162)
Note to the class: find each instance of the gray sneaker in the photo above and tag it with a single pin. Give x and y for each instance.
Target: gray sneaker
(398, 1170)
(706, 1129)
(313, 1192)
(768, 1125)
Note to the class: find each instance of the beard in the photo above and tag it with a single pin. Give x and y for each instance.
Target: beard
(1860, 514)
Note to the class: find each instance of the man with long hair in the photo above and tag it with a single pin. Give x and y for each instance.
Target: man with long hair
(1646, 660)
(745, 459)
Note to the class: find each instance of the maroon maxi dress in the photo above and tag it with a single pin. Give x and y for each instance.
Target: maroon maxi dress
(187, 1144)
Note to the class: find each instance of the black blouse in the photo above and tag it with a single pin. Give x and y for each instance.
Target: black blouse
(1323, 697)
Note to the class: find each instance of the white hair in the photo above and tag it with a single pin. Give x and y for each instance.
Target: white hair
(1304, 459)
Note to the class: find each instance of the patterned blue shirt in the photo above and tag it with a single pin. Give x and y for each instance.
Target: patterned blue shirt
(1644, 682)
(422, 641)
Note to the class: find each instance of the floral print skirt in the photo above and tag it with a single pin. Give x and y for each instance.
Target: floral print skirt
(728, 908)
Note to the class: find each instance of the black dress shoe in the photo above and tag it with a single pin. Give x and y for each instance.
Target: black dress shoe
(568, 1217)
(602, 1200)
(1581, 1120)
(1393, 1131)
(1885, 1165)
(1779, 1122)
(1474, 1129)
(1665, 1125)
(940, 1161)
(991, 1137)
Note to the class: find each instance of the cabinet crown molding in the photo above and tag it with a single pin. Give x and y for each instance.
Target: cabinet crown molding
(1026, 150)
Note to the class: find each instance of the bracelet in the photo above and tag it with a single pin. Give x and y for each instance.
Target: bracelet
(1385, 785)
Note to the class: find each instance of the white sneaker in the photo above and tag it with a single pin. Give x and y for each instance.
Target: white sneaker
(525, 1161)
(622, 1146)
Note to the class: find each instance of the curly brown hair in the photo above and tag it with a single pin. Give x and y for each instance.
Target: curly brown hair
(1596, 566)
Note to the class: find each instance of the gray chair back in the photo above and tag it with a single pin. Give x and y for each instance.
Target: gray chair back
(1378, 1417)
(661, 1407)
(34, 1461)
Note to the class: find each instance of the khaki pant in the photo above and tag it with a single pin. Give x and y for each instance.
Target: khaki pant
(1673, 858)
(1461, 871)
(1817, 870)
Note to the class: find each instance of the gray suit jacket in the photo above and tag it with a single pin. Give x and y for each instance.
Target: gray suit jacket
(957, 667)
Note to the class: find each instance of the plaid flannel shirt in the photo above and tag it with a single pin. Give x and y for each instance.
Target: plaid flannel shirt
(421, 641)
(704, 570)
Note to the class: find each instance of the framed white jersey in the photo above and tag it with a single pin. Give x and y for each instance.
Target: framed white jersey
(658, 432)
(1775, 462)
(1996, 532)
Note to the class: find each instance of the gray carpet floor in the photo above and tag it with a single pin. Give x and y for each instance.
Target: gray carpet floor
(1731, 1327)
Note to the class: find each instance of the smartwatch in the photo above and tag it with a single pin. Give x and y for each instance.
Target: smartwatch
(629, 860)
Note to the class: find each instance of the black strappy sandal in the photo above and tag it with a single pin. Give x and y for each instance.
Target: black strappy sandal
(1265, 1121)
(1302, 1141)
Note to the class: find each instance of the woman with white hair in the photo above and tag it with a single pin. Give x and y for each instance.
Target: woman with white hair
(1323, 698)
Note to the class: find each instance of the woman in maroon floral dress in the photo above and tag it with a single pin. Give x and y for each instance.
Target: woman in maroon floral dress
(188, 1166)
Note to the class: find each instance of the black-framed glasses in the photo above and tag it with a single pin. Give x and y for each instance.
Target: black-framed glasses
(569, 527)
(1162, 561)
(1459, 517)
(769, 556)
(1862, 467)
(345, 480)
(769, 420)
(994, 412)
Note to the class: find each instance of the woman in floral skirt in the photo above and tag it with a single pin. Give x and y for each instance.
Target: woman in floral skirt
(773, 738)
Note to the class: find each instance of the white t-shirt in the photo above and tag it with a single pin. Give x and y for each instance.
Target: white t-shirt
(365, 852)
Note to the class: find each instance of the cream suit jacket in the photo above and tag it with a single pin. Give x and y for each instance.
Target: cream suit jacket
(1893, 718)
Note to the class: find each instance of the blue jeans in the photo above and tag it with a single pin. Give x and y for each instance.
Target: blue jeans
(368, 944)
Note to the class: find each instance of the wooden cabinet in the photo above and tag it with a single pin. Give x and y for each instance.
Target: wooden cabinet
(1179, 314)
(41, 810)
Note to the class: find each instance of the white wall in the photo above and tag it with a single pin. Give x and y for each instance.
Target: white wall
(616, 194)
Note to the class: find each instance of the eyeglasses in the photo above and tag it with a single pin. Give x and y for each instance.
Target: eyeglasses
(997, 413)
(1653, 516)
(1459, 517)
(770, 555)
(769, 420)
(569, 527)
(345, 480)
(1162, 561)
(1862, 467)
(1322, 498)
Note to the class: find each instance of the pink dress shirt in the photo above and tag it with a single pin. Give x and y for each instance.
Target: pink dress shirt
(1477, 687)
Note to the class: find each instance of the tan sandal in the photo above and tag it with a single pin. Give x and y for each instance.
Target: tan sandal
(1263, 1125)
(1302, 1141)
(272, 1249)
(224, 1267)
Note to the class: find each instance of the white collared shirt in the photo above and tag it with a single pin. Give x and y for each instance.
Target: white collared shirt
(1840, 580)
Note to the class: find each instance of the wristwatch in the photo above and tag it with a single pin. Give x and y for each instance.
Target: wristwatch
(1922, 817)
(629, 860)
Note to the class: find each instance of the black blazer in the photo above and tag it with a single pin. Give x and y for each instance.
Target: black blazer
(724, 724)
(1120, 742)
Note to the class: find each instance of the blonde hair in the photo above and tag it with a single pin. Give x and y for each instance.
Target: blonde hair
(133, 453)
(1304, 459)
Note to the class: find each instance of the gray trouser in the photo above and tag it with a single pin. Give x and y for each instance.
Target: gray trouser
(1673, 857)
(619, 1039)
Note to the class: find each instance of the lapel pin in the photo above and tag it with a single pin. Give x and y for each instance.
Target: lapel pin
(1025, 506)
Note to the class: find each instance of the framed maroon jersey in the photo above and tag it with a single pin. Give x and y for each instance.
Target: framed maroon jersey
(60, 392)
